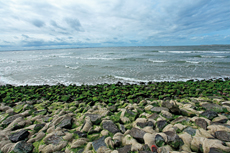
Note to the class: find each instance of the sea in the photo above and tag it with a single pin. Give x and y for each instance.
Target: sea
(114, 64)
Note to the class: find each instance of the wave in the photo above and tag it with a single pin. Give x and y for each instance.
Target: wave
(193, 62)
(73, 68)
(181, 52)
(156, 61)
(130, 79)
(206, 56)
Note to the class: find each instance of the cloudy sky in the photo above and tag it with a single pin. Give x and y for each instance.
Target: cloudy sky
(44, 24)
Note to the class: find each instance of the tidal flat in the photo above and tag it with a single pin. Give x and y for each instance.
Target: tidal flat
(191, 116)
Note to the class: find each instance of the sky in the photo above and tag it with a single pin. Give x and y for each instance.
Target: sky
(46, 24)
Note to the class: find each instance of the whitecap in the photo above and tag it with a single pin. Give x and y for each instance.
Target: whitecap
(156, 61)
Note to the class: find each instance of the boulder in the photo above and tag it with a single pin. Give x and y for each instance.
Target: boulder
(137, 134)
(159, 140)
(213, 107)
(159, 109)
(161, 124)
(18, 136)
(173, 139)
(222, 135)
(80, 134)
(180, 119)
(110, 126)
(125, 149)
(172, 106)
(209, 114)
(190, 131)
(94, 118)
(23, 147)
(201, 123)
(10, 119)
(66, 123)
(99, 143)
(142, 125)
(38, 127)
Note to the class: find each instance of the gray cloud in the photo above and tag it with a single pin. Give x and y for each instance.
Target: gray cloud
(38, 23)
(115, 22)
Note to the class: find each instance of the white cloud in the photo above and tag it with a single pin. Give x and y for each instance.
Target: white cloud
(97, 22)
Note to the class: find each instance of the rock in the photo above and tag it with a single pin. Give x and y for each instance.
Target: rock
(40, 112)
(23, 147)
(11, 119)
(153, 116)
(161, 124)
(80, 134)
(121, 127)
(125, 149)
(137, 134)
(209, 114)
(18, 136)
(173, 139)
(212, 107)
(52, 139)
(201, 123)
(38, 127)
(66, 123)
(164, 149)
(145, 152)
(159, 109)
(112, 108)
(142, 125)
(159, 140)
(215, 150)
(99, 143)
(220, 119)
(94, 118)
(166, 114)
(190, 131)
(110, 126)
(172, 106)
(180, 119)
(222, 135)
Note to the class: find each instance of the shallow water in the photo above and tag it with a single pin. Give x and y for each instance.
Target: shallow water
(110, 65)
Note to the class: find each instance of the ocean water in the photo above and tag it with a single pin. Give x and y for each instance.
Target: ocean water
(110, 65)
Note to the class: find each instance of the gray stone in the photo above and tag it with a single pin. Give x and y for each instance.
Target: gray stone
(159, 109)
(54, 139)
(122, 128)
(159, 140)
(209, 114)
(201, 123)
(190, 131)
(173, 139)
(161, 124)
(99, 143)
(125, 149)
(94, 118)
(180, 119)
(213, 107)
(153, 116)
(80, 134)
(66, 123)
(142, 125)
(18, 136)
(38, 127)
(173, 108)
(11, 119)
(145, 152)
(137, 134)
(222, 135)
(215, 150)
(40, 112)
(23, 147)
(110, 126)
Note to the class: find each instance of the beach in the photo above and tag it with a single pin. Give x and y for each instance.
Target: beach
(190, 116)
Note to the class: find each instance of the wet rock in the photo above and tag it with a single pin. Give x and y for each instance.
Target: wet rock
(80, 134)
(38, 127)
(164, 149)
(94, 118)
(125, 149)
(212, 107)
(215, 150)
(11, 119)
(222, 135)
(159, 109)
(190, 131)
(23, 147)
(142, 125)
(159, 140)
(40, 112)
(166, 114)
(180, 119)
(209, 114)
(18, 136)
(99, 143)
(110, 126)
(220, 119)
(161, 124)
(173, 139)
(201, 123)
(137, 134)
(66, 123)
